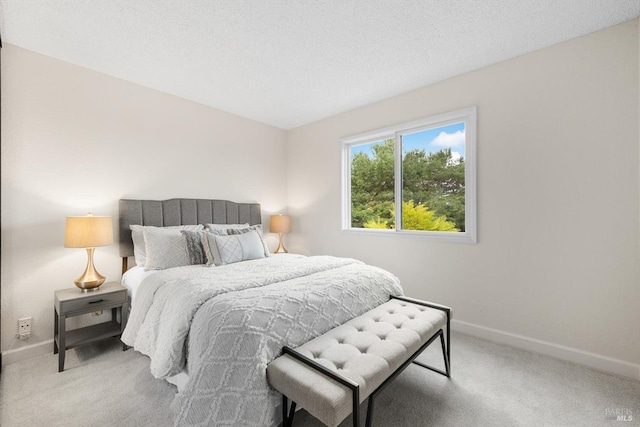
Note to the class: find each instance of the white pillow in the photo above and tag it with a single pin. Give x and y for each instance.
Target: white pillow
(139, 250)
(257, 228)
(165, 249)
(233, 248)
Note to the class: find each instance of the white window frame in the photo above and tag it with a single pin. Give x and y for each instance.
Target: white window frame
(466, 115)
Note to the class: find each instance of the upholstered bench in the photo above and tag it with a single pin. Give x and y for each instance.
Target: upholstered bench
(332, 374)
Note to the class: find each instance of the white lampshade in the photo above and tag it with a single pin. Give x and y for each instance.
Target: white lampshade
(280, 224)
(88, 231)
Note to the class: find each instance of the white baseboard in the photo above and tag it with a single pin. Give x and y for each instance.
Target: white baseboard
(27, 352)
(592, 360)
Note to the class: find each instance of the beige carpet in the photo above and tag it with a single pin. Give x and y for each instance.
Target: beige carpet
(492, 385)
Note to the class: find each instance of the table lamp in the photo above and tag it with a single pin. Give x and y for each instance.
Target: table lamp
(280, 224)
(88, 232)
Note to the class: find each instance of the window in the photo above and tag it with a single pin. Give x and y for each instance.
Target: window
(415, 178)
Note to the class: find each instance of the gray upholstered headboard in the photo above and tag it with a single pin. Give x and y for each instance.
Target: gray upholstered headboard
(164, 213)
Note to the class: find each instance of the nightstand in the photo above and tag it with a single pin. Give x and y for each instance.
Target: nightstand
(73, 302)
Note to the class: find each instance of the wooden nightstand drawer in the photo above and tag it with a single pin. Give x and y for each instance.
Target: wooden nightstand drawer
(74, 300)
(96, 300)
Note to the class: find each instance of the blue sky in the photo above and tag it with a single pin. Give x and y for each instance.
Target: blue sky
(431, 140)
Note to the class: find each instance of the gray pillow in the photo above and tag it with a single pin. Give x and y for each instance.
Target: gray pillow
(233, 248)
(139, 250)
(195, 248)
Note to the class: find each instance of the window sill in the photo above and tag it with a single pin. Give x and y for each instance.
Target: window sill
(441, 236)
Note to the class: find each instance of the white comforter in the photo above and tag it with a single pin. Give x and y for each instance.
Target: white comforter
(225, 324)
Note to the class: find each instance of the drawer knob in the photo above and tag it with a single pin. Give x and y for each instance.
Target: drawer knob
(95, 302)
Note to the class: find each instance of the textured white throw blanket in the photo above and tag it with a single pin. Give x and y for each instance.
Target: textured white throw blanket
(225, 324)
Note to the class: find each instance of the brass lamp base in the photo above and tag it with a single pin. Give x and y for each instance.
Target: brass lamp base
(90, 279)
(281, 247)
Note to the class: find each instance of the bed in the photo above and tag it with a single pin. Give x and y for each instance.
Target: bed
(216, 328)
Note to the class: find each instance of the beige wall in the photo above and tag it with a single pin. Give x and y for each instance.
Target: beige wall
(557, 258)
(74, 140)
(558, 186)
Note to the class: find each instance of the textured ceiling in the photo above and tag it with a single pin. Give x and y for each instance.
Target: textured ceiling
(292, 62)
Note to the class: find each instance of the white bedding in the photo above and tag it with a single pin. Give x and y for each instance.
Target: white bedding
(225, 324)
(132, 279)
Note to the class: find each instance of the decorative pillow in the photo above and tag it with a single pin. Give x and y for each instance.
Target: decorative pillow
(213, 255)
(195, 248)
(211, 249)
(139, 250)
(165, 249)
(257, 228)
(233, 248)
(222, 228)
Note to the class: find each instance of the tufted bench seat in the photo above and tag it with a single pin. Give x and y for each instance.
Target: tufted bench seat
(332, 374)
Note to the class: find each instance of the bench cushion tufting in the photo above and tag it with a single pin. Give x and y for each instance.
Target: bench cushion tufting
(366, 350)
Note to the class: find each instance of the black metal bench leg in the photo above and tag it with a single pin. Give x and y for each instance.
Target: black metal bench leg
(444, 356)
(285, 406)
(449, 344)
(370, 411)
(356, 406)
(446, 362)
(292, 412)
(287, 414)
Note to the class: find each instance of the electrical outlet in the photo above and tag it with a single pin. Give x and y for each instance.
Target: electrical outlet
(24, 328)
(24, 325)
